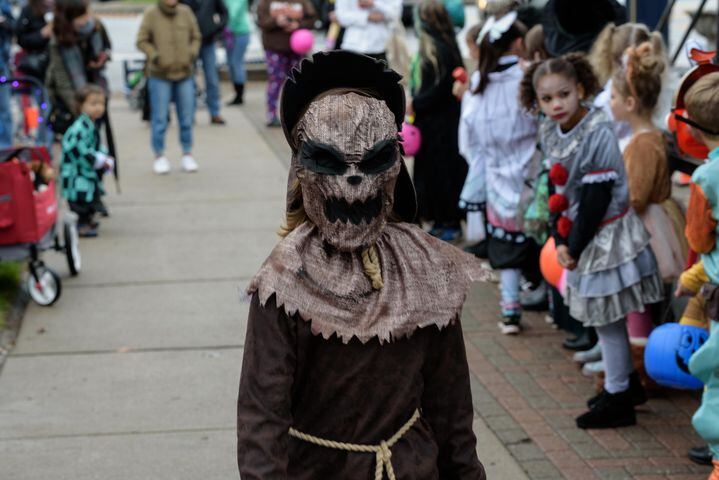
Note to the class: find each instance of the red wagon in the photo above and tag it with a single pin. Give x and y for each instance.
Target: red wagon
(30, 221)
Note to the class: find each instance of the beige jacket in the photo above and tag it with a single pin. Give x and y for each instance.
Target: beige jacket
(171, 39)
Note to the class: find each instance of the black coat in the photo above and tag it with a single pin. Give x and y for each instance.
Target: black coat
(28, 29)
(439, 169)
(211, 17)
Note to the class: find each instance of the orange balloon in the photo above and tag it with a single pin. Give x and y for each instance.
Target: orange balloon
(548, 263)
(32, 114)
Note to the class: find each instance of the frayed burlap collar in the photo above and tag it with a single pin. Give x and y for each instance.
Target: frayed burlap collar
(425, 283)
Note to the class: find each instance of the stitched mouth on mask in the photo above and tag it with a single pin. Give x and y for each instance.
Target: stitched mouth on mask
(338, 209)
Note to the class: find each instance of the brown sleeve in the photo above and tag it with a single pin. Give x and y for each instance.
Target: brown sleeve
(264, 403)
(701, 226)
(642, 164)
(264, 20)
(447, 406)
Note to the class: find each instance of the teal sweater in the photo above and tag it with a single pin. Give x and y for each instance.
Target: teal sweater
(238, 13)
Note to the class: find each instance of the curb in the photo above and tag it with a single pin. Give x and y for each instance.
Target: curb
(13, 322)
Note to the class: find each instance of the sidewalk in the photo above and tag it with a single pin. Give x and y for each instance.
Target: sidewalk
(529, 392)
(133, 374)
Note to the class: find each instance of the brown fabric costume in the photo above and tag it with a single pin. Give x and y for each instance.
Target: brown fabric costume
(325, 352)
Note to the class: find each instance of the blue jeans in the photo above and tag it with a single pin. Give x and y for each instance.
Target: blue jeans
(5, 114)
(212, 79)
(182, 92)
(236, 57)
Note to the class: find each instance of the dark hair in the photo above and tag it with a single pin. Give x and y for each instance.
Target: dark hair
(572, 66)
(37, 7)
(473, 32)
(491, 52)
(88, 89)
(65, 12)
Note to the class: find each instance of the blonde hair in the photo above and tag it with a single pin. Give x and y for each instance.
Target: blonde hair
(612, 42)
(702, 102)
(642, 75)
(296, 216)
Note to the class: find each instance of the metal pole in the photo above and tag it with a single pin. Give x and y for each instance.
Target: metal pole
(664, 19)
(693, 24)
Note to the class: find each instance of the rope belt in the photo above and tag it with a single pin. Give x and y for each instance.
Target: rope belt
(382, 452)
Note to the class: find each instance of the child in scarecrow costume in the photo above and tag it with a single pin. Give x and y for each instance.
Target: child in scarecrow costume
(354, 364)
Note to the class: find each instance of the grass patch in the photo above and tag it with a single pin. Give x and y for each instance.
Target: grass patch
(9, 286)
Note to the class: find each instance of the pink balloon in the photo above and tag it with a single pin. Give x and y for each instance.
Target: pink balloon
(562, 283)
(411, 139)
(302, 41)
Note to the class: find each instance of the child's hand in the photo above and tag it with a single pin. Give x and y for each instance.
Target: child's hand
(682, 291)
(366, 4)
(459, 89)
(291, 26)
(376, 17)
(565, 259)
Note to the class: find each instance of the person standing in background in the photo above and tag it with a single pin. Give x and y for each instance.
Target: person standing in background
(33, 30)
(170, 38)
(211, 17)
(239, 26)
(6, 31)
(278, 19)
(368, 25)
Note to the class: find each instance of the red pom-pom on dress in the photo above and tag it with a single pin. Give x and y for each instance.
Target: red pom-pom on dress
(558, 203)
(564, 226)
(558, 175)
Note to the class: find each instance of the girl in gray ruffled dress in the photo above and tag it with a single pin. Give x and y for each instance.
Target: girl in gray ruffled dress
(604, 246)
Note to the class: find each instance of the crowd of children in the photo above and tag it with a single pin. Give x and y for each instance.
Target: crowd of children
(580, 129)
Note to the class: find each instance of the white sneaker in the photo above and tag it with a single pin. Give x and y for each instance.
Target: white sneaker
(161, 166)
(594, 354)
(188, 164)
(593, 368)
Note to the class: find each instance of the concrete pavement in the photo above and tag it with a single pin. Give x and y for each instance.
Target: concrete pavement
(133, 374)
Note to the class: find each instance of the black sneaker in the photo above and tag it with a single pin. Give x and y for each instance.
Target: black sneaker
(700, 455)
(636, 392)
(609, 411)
(511, 324)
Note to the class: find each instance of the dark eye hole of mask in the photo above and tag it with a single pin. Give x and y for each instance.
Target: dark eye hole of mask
(380, 157)
(321, 158)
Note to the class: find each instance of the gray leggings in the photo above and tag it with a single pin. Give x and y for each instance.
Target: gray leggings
(614, 342)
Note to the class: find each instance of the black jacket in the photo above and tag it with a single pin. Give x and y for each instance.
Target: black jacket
(211, 17)
(28, 29)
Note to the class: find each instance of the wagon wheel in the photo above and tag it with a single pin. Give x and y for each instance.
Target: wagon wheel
(43, 285)
(72, 247)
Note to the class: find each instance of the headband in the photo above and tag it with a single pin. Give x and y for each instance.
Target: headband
(495, 28)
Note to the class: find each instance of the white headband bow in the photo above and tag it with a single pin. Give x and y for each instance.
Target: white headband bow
(496, 27)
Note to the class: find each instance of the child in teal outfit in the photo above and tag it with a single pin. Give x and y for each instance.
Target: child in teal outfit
(702, 102)
(82, 157)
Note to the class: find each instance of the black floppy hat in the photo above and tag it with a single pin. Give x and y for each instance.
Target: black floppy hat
(337, 69)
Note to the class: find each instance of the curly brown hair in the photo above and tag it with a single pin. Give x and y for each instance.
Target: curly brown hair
(642, 76)
(573, 66)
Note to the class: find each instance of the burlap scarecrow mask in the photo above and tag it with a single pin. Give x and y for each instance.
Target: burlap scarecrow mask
(342, 127)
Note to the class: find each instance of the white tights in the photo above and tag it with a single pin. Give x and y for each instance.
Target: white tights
(614, 342)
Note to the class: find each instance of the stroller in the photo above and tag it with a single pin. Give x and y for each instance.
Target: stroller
(29, 216)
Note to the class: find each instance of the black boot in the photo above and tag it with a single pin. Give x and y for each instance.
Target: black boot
(636, 392)
(239, 95)
(583, 342)
(701, 455)
(611, 410)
